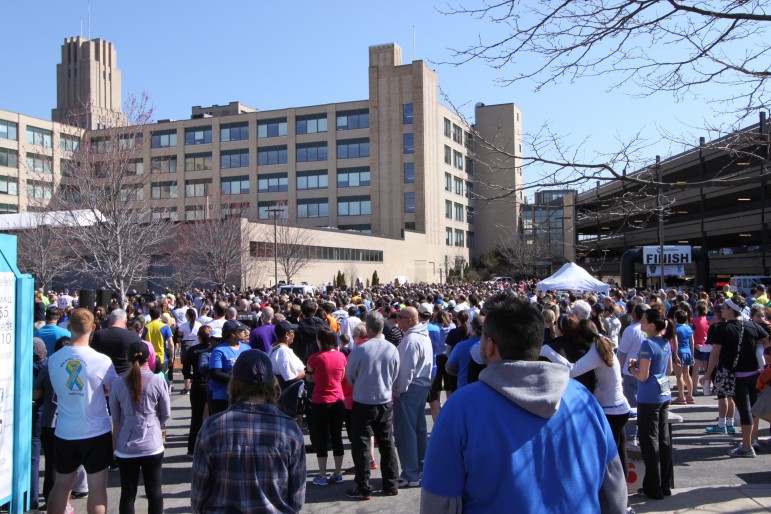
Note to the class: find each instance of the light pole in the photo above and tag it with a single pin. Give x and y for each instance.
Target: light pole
(273, 211)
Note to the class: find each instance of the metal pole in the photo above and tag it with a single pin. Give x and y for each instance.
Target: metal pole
(763, 157)
(273, 212)
(702, 169)
(660, 201)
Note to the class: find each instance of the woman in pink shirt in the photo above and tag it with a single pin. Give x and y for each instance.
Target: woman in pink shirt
(327, 369)
(701, 353)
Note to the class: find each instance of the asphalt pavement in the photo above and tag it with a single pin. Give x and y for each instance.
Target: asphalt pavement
(706, 478)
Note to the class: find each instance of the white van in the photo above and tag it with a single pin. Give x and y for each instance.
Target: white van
(297, 290)
(743, 284)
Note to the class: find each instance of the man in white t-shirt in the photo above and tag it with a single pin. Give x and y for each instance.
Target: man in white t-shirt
(64, 300)
(81, 377)
(628, 348)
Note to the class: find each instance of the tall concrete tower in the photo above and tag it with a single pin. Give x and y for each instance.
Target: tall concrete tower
(88, 83)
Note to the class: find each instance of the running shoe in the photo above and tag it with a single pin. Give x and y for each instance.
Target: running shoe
(716, 429)
(320, 481)
(404, 483)
(335, 479)
(740, 451)
(356, 494)
(731, 429)
(373, 464)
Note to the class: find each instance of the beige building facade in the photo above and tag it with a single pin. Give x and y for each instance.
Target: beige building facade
(399, 167)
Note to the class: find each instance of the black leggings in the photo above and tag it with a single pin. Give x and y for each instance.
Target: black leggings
(617, 423)
(197, 404)
(129, 481)
(328, 423)
(745, 396)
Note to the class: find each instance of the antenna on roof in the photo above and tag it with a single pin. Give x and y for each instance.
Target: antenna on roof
(89, 19)
(81, 28)
(413, 42)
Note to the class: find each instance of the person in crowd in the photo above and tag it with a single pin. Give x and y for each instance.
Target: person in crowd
(188, 336)
(264, 336)
(140, 407)
(651, 368)
(39, 353)
(115, 340)
(251, 457)
(51, 332)
(371, 370)
(734, 355)
(160, 336)
(198, 385)
(549, 411)
(327, 369)
(391, 329)
(81, 377)
(700, 355)
(628, 348)
(683, 358)
(221, 363)
(443, 321)
(460, 359)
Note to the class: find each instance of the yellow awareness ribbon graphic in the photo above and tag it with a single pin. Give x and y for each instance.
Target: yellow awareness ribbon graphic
(74, 381)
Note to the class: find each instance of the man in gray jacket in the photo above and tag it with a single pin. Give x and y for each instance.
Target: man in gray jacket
(411, 388)
(525, 436)
(371, 371)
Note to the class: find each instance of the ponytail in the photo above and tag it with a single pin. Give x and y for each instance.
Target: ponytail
(133, 380)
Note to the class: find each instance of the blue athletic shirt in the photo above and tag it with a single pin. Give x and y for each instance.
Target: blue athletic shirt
(501, 458)
(656, 388)
(684, 334)
(223, 357)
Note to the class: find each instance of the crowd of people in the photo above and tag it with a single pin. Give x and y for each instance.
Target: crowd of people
(567, 370)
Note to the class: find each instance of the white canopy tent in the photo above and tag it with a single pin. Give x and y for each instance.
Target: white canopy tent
(572, 277)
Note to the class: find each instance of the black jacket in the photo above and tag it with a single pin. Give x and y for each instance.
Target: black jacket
(305, 343)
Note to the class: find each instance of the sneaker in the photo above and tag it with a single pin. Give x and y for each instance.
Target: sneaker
(336, 479)
(185, 391)
(114, 466)
(394, 492)
(715, 429)
(740, 451)
(321, 481)
(358, 495)
(756, 446)
(404, 483)
(731, 429)
(373, 464)
(78, 496)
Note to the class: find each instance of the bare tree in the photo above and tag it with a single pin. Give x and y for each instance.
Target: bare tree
(294, 244)
(106, 179)
(43, 253)
(524, 257)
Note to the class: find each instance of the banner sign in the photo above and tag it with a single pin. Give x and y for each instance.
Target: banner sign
(673, 254)
(670, 270)
(7, 364)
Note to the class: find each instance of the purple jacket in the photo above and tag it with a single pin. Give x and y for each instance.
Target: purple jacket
(263, 337)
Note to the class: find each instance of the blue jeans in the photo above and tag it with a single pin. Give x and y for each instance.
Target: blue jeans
(630, 391)
(410, 430)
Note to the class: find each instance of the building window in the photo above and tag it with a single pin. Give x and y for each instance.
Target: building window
(354, 206)
(272, 183)
(235, 185)
(309, 152)
(163, 190)
(447, 155)
(448, 209)
(133, 166)
(407, 114)
(234, 158)
(311, 124)
(364, 229)
(164, 139)
(9, 158)
(409, 225)
(195, 213)
(166, 164)
(313, 208)
(469, 190)
(459, 211)
(448, 182)
(351, 120)
(469, 140)
(234, 132)
(198, 161)
(68, 143)
(235, 210)
(39, 163)
(448, 236)
(9, 130)
(469, 165)
(316, 179)
(353, 177)
(165, 213)
(272, 155)
(197, 188)
(460, 239)
(470, 240)
(457, 134)
(470, 215)
(409, 143)
(409, 172)
(264, 211)
(447, 128)
(458, 186)
(100, 145)
(6, 208)
(457, 159)
(9, 186)
(197, 135)
(409, 202)
(132, 193)
(39, 137)
(271, 128)
(39, 190)
(128, 142)
(353, 148)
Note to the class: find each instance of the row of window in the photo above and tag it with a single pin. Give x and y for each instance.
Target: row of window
(460, 210)
(265, 249)
(9, 130)
(458, 183)
(9, 186)
(455, 158)
(39, 137)
(6, 208)
(462, 238)
(455, 132)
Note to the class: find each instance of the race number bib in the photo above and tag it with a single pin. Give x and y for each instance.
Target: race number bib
(664, 386)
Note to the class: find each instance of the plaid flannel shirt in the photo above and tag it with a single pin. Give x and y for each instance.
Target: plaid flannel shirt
(250, 458)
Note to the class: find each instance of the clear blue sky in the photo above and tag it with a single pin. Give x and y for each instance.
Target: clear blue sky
(271, 55)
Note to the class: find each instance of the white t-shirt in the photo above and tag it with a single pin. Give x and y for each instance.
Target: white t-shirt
(285, 362)
(630, 345)
(64, 301)
(79, 375)
(187, 333)
(179, 315)
(216, 327)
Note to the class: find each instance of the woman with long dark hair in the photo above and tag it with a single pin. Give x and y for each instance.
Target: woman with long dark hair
(140, 406)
